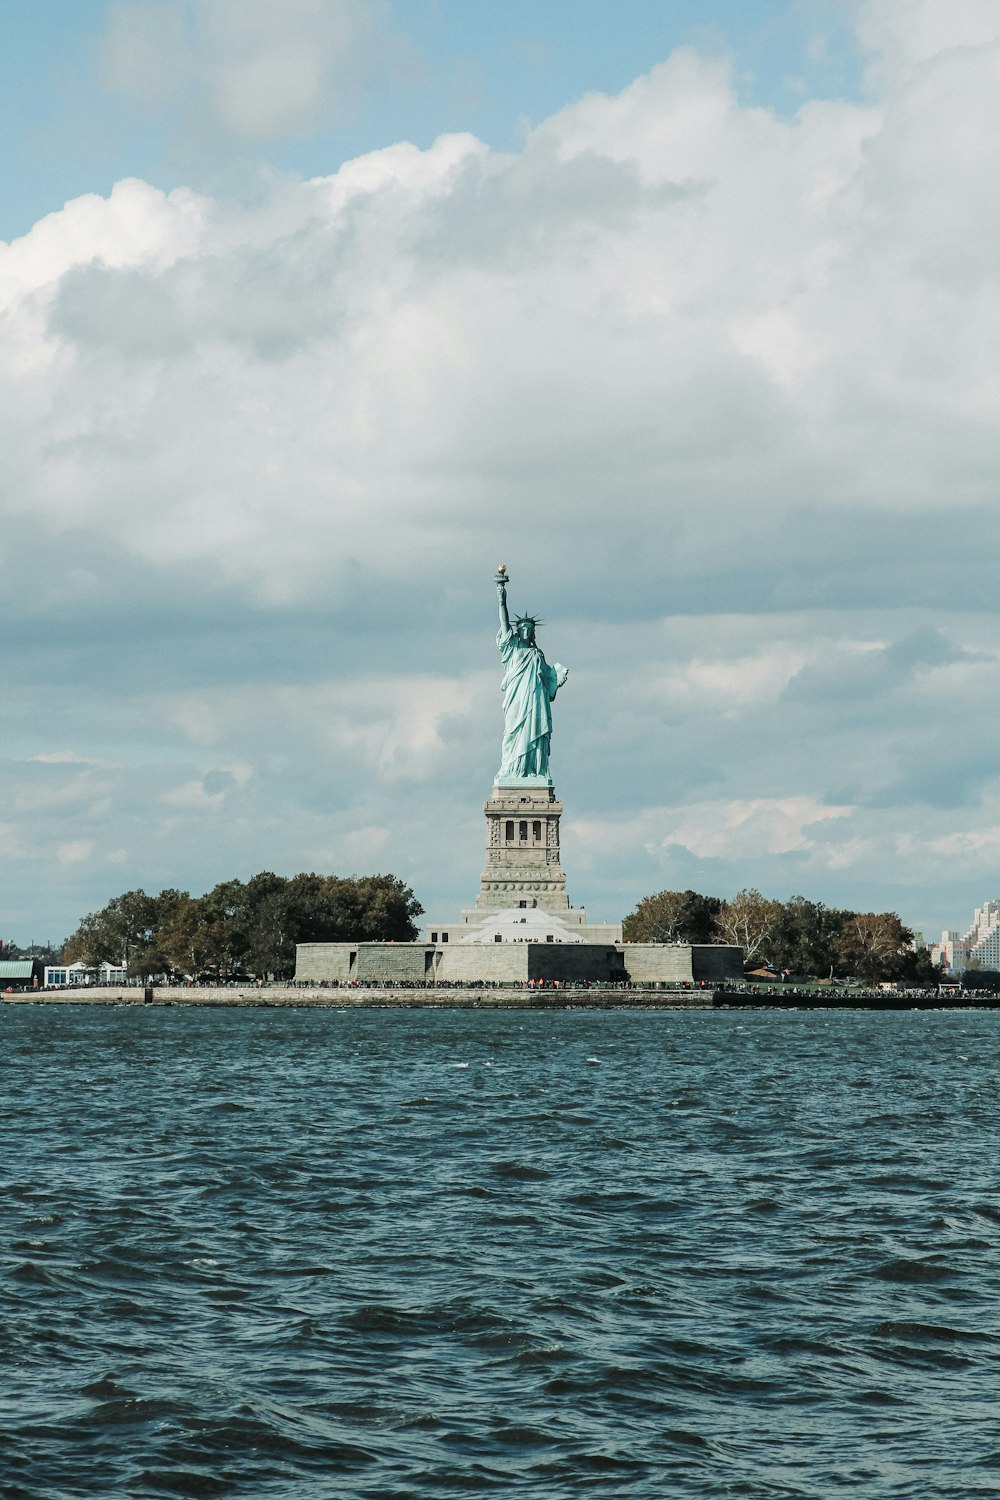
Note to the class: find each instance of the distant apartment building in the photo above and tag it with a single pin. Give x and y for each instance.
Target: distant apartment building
(978, 948)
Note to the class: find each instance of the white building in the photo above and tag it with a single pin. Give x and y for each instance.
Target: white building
(980, 946)
(59, 975)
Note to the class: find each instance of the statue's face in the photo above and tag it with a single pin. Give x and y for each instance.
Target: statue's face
(526, 632)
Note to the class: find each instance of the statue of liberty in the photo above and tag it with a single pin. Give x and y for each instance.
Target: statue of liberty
(528, 688)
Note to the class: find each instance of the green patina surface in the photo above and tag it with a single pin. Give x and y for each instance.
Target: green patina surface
(529, 688)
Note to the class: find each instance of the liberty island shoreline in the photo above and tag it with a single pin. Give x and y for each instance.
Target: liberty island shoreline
(510, 997)
(361, 997)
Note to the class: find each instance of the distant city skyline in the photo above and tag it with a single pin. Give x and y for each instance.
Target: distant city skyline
(314, 312)
(977, 947)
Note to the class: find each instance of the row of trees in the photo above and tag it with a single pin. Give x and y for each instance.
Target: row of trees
(244, 927)
(798, 936)
(253, 926)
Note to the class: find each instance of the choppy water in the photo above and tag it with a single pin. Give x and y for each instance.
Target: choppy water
(327, 1254)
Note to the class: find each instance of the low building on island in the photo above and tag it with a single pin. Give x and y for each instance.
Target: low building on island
(80, 975)
(21, 973)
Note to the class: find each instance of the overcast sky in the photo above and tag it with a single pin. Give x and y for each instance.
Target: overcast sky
(312, 313)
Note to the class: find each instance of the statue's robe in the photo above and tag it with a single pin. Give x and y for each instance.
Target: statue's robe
(528, 688)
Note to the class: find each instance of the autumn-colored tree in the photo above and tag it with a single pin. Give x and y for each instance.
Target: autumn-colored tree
(874, 945)
(797, 935)
(748, 921)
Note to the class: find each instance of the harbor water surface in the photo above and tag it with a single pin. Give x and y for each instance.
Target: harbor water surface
(296, 1253)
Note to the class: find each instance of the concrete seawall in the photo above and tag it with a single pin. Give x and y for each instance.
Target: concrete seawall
(361, 998)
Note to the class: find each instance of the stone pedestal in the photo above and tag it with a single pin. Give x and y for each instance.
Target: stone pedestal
(522, 849)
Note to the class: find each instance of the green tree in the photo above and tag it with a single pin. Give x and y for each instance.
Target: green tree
(189, 938)
(321, 908)
(224, 912)
(804, 936)
(673, 917)
(981, 979)
(387, 909)
(210, 934)
(152, 957)
(332, 908)
(118, 933)
(270, 941)
(917, 964)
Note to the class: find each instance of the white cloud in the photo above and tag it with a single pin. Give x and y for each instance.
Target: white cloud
(726, 686)
(358, 848)
(675, 359)
(968, 842)
(137, 225)
(392, 729)
(905, 35)
(249, 69)
(75, 852)
(667, 306)
(62, 758)
(191, 794)
(714, 829)
(734, 830)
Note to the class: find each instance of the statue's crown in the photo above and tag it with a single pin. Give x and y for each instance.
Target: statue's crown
(531, 620)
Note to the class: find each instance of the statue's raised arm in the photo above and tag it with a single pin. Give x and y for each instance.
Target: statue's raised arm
(528, 688)
(502, 597)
